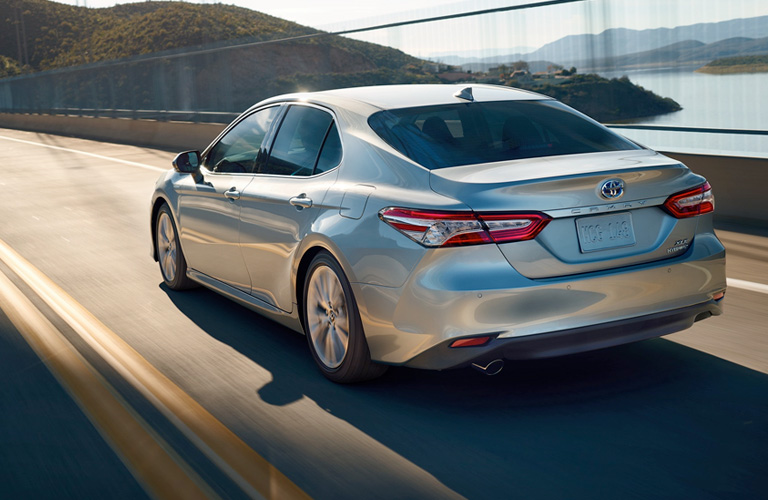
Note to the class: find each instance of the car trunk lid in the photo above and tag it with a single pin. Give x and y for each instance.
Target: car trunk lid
(589, 231)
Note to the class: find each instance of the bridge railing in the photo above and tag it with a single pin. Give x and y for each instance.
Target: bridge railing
(738, 180)
(161, 115)
(211, 84)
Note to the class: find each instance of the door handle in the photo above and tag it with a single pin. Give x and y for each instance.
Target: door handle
(301, 202)
(233, 194)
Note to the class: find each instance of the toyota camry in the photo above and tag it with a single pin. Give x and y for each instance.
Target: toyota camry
(440, 226)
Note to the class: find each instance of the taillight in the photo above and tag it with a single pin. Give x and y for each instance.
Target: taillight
(515, 226)
(690, 203)
(442, 228)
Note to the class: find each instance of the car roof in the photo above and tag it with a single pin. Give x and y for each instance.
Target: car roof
(368, 100)
(406, 96)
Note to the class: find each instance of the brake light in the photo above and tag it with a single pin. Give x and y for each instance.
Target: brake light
(442, 228)
(690, 203)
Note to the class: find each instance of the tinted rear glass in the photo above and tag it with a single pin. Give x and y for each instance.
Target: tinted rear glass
(466, 133)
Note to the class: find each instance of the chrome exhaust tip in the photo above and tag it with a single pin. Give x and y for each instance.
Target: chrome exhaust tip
(492, 368)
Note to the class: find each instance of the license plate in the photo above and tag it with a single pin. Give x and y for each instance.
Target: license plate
(602, 232)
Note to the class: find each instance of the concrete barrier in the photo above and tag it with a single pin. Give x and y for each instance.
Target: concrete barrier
(739, 183)
(173, 136)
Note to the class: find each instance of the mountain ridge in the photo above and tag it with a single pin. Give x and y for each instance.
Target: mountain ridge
(689, 53)
(616, 42)
(580, 50)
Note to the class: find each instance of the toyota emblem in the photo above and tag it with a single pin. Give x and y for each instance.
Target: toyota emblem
(612, 189)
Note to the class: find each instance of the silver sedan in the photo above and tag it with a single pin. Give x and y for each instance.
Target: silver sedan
(438, 226)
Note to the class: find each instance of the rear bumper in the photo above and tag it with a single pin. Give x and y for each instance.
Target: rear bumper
(466, 292)
(564, 342)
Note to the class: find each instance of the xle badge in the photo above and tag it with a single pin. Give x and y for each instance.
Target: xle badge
(679, 246)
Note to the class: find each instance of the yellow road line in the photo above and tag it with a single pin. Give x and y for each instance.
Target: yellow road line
(255, 476)
(152, 462)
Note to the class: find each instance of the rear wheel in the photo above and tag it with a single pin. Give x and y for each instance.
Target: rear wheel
(333, 326)
(173, 265)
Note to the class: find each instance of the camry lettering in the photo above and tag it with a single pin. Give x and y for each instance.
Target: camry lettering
(609, 208)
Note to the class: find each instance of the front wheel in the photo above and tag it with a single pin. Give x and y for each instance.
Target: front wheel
(173, 265)
(333, 326)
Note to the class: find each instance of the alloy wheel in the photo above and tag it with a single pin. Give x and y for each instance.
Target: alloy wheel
(328, 317)
(166, 246)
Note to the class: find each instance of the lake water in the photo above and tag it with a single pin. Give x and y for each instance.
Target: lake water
(714, 101)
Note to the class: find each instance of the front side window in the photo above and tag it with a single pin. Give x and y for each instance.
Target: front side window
(241, 150)
(483, 132)
(307, 139)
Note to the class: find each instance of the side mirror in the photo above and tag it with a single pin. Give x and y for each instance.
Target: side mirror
(187, 162)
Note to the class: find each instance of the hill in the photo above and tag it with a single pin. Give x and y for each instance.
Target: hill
(619, 98)
(686, 53)
(126, 56)
(741, 64)
(43, 35)
(46, 35)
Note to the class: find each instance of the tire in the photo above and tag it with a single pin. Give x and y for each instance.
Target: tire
(333, 326)
(173, 265)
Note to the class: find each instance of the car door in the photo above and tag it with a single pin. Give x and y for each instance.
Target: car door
(209, 205)
(280, 205)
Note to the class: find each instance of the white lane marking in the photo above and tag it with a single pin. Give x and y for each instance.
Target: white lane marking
(93, 155)
(747, 285)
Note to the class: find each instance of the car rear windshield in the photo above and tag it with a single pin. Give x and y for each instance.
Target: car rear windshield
(483, 132)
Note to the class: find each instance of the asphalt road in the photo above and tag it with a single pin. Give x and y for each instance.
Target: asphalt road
(681, 417)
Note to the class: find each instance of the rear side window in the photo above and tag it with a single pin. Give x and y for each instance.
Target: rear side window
(468, 133)
(307, 139)
(330, 155)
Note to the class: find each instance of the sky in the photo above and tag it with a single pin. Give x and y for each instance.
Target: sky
(484, 35)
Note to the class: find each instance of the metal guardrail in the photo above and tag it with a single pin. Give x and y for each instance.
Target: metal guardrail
(704, 130)
(134, 114)
(227, 117)
(738, 179)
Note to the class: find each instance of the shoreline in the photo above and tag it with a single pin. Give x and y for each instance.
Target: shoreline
(732, 70)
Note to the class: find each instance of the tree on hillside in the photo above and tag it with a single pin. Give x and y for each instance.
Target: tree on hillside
(9, 67)
(520, 66)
